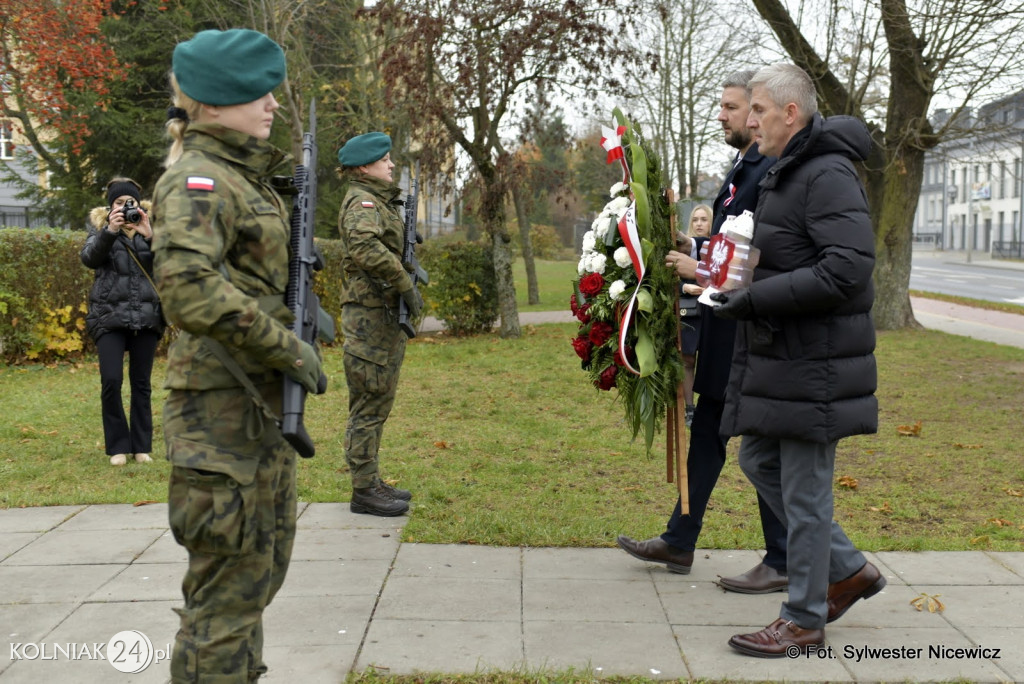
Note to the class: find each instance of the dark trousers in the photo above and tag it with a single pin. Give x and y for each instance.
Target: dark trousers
(141, 348)
(704, 463)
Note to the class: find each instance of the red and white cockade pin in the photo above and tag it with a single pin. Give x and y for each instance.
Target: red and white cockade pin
(368, 205)
(199, 183)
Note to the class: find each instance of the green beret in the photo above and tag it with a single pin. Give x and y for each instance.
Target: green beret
(364, 149)
(228, 67)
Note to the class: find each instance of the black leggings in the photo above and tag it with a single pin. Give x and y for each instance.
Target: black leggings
(141, 347)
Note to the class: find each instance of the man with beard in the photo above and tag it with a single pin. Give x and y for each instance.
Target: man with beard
(706, 455)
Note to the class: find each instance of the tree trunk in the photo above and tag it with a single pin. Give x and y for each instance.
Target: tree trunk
(533, 292)
(506, 284)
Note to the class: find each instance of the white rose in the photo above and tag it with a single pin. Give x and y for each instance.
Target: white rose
(581, 268)
(622, 258)
(601, 226)
(598, 262)
(617, 205)
(589, 241)
(616, 289)
(617, 189)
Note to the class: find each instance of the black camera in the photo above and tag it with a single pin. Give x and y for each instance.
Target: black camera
(131, 211)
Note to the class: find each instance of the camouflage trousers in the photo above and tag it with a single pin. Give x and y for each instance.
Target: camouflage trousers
(232, 505)
(374, 351)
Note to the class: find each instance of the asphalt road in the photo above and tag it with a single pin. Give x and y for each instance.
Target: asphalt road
(983, 278)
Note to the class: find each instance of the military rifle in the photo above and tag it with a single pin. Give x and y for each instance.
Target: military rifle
(409, 260)
(311, 321)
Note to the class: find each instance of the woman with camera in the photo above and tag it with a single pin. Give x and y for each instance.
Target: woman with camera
(124, 317)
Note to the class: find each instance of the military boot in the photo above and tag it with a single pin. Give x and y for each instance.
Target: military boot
(376, 501)
(394, 492)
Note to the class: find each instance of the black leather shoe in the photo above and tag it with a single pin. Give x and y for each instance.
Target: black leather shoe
(393, 492)
(375, 501)
(657, 551)
(760, 579)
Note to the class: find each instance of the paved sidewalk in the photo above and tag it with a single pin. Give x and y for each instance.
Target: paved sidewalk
(358, 598)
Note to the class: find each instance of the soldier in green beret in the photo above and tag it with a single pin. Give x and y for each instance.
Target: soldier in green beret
(221, 264)
(372, 234)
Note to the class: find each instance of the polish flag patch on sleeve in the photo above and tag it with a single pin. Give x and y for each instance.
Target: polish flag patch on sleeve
(367, 205)
(199, 183)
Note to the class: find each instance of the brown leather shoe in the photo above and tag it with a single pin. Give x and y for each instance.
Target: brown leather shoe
(657, 551)
(862, 584)
(779, 639)
(760, 579)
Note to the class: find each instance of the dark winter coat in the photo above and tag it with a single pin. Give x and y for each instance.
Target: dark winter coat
(804, 367)
(121, 296)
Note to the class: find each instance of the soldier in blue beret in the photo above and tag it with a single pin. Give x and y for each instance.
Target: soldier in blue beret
(372, 225)
(221, 261)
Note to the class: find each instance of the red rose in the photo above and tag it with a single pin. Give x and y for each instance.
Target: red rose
(582, 315)
(573, 306)
(607, 378)
(591, 284)
(583, 346)
(600, 332)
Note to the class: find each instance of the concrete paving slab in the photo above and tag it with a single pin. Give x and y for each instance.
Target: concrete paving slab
(53, 584)
(164, 550)
(445, 598)
(982, 606)
(606, 649)
(38, 519)
(584, 564)
(338, 516)
(317, 620)
(915, 654)
(947, 567)
(345, 544)
(458, 560)
(1012, 561)
(334, 578)
(705, 603)
(591, 600)
(89, 547)
(144, 582)
(12, 542)
(118, 517)
(30, 622)
(308, 664)
(707, 654)
(400, 647)
(1010, 658)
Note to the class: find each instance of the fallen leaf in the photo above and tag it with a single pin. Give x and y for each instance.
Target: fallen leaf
(1013, 492)
(1000, 522)
(910, 430)
(144, 502)
(848, 482)
(983, 539)
(441, 445)
(958, 445)
(932, 603)
(885, 508)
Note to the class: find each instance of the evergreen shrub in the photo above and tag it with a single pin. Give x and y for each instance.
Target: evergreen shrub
(462, 292)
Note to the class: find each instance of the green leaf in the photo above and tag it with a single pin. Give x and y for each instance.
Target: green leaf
(639, 166)
(644, 301)
(645, 353)
(643, 209)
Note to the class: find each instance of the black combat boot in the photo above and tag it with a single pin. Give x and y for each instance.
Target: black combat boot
(376, 501)
(393, 492)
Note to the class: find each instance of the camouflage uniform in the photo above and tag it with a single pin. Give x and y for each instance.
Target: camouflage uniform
(221, 261)
(373, 233)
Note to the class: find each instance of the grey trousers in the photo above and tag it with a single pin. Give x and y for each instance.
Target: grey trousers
(795, 480)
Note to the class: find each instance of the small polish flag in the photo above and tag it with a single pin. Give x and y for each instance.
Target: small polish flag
(368, 205)
(199, 183)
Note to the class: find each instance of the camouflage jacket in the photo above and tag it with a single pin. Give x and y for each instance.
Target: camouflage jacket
(372, 230)
(221, 244)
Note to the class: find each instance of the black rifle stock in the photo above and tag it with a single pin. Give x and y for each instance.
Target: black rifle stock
(311, 322)
(409, 260)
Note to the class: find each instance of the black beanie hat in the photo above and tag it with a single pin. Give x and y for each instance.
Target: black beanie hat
(121, 187)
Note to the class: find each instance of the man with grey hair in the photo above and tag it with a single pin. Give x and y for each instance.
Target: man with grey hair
(803, 373)
(706, 455)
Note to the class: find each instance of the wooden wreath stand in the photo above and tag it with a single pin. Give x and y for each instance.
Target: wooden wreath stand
(677, 438)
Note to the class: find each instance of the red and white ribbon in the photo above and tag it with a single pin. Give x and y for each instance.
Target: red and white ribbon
(631, 239)
(611, 141)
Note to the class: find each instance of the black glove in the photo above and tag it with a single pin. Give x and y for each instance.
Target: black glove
(414, 301)
(736, 305)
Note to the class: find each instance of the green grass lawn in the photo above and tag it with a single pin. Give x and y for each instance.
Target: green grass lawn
(503, 442)
(554, 284)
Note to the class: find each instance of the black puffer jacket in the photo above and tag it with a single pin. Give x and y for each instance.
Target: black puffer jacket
(121, 296)
(804, 368)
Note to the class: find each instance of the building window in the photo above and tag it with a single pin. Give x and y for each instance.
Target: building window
(6, 143)
(1002, 179)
